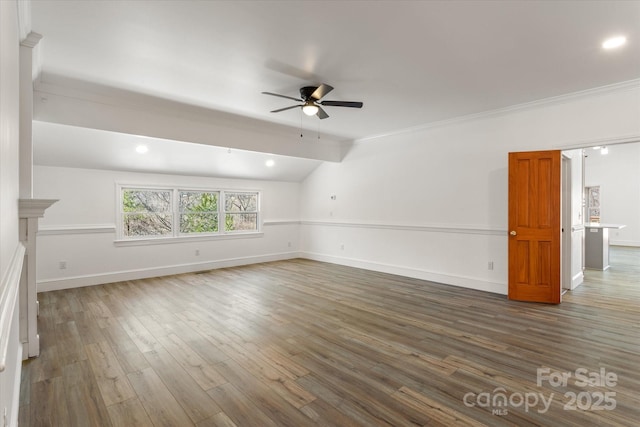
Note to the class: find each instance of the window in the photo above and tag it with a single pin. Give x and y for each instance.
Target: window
(173, 212)
(241, 211)
(199, 212)
(146, 213)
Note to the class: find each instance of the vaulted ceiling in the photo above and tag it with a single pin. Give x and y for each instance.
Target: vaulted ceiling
(410, 62)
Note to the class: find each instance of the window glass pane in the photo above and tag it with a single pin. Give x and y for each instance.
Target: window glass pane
(148, 212)
(198, 201)
(146, 200)
(241, 202)
(199, 223)
(241, 222)
(146, 224)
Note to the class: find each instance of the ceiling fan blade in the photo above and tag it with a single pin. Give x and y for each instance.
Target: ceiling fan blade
(321, 113)
(350, 104)
(286, 108)
(282, 96)
(321, 91)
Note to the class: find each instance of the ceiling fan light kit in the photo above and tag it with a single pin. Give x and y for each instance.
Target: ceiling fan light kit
(310, 98)
(310, 109)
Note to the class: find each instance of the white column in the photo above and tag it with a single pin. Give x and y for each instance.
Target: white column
(28, 71)
(30, 211)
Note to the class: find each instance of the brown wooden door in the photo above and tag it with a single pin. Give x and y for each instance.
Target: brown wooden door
(534, 226)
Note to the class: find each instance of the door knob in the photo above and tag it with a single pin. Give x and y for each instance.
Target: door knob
(513, 233)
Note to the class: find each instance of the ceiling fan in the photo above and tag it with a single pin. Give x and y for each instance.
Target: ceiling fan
(311, 105)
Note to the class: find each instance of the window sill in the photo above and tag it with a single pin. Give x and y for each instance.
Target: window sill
(185, 239)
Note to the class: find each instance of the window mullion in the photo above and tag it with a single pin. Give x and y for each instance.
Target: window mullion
(221, 212)
(175, 209)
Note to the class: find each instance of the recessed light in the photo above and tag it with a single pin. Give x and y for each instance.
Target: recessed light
(142, 149)
(270, 163)
(614, 42)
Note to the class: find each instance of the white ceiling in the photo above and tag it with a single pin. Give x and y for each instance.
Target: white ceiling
(69, 146)
(411, 63)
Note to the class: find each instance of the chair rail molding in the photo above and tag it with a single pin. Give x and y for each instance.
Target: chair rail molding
(29, 211)
(429, 228)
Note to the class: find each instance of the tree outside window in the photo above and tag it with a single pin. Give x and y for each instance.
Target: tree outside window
(241, 211)
(198, 212)
(146, 212)
(150, 212)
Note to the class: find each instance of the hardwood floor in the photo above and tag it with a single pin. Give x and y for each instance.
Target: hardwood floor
(303, 343)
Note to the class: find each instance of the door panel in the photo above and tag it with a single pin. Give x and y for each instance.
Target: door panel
(534, 226)
(522, 269)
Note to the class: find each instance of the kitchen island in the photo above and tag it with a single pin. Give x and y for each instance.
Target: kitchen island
(597, 244)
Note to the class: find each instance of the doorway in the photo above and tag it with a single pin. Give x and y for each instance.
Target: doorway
(572, 212)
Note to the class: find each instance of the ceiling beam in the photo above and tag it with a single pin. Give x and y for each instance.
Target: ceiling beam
(77, 103)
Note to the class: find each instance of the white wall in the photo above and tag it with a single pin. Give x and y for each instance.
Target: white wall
(432, 203)
(9, 243)
(428, 203)
(80, 229)
(618, 175)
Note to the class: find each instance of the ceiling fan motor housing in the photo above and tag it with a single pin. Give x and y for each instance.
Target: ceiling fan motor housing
(305, 92)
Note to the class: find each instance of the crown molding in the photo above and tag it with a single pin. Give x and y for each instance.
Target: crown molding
(555, 100)
(31, 40)
(34, 208)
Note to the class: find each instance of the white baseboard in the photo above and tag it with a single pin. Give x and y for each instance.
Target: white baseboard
(15, 404)
(464, 282)
(145, 273)
(99, 279)
(577, 280)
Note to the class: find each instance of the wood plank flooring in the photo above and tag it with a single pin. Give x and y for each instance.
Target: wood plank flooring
(302, 343)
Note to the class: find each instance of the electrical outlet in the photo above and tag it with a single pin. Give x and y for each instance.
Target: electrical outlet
(490, 265)
(342, 246)
(197, 252)
(289, 244)
(62, 265)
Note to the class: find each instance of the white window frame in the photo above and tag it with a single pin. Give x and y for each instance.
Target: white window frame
(178, 212)
(176, 236)
(223, 205)
(121, 214)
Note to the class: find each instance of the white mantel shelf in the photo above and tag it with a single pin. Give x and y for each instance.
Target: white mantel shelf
(34, 208)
